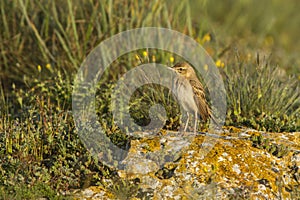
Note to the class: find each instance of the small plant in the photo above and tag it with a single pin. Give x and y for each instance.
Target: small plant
(279, 151)
(38, 191)
(123, 189)
(40, 146)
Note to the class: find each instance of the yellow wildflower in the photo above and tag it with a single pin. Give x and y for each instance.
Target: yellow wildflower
(39, 68)
(145, 53)
(137, 57)
(153, 58)
(172, 59)
(206, 38)
(259, 94)
(219, 63)
(205, 67)
(48, 66)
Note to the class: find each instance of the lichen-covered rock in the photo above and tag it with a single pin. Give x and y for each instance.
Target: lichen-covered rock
(241, 164)
(94, 192)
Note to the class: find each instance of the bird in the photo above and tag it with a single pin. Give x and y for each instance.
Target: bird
(190, 93)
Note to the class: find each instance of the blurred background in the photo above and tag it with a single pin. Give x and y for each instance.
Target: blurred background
(62, 33)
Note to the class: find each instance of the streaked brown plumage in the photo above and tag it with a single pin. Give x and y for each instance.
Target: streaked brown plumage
(191, 93)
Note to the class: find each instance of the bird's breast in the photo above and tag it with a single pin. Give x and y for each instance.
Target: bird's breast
(185, 95)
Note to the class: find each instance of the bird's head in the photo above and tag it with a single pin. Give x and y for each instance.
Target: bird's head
(184, 69)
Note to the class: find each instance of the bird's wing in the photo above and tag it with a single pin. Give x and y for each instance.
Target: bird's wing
(199, 97)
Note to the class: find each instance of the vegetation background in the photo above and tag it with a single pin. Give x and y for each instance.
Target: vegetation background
(42, 43)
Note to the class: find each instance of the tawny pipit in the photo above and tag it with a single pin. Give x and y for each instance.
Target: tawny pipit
(190, 93)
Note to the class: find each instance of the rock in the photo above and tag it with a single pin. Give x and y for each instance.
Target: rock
(244, 164)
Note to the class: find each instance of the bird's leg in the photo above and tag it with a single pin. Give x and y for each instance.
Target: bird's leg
(195, 125)
(187, 122)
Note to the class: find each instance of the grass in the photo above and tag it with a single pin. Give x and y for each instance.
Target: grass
(259, 99)
(42, 44)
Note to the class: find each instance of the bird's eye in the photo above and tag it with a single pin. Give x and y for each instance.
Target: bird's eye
(180, 69)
